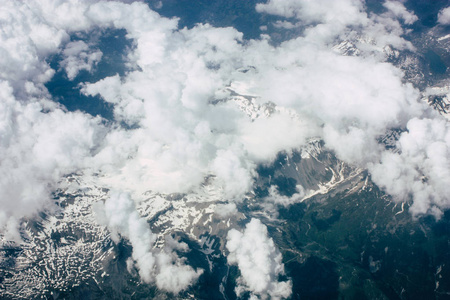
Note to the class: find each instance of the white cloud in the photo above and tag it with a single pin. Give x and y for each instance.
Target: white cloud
(351, 99)
(313, 11)
(162, 267)
(274, 196)
(326, 21)
(40, 142)
(283, 130)
(444, 16)
(346, 100)
(399, 10)
(77, 57)
(37, 148)
(175, 148)
(259, 262)
(24, 42)
(421, 169)
(179, 136)
(232, 173)
(226, 210)
(330, 17)
(178, 117)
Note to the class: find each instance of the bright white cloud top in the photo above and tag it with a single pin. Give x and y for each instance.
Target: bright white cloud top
(444, 16)
(171, 128)
(259, 262)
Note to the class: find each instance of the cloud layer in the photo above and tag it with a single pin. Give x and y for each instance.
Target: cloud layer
(181, 110)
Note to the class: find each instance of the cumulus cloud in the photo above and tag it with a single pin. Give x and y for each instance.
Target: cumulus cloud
(77, 57)
(399, 10)
(311, 11)
(345, 100)
(177, 119)
(40, 142)
(421, 168)
(259, 262)
(282, 130)
(36, 149)
(163, 267)
(331, 17)
(326, 21)
(182, 137)
(24, 43)
(185, 134)
(444, 16)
